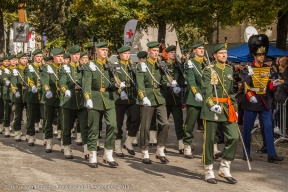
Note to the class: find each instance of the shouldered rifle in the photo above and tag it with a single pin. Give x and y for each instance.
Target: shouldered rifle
(162, 65)
(114, 69)
(131, 66)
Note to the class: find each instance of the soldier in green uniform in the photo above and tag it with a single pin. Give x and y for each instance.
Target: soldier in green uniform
(9, 63)
(173, 95)
(33, 94)
(1, 95)
(150, 80)
(127, 102)
(51, 94)
(219, 108)
(18, 86)
(72, 101)
(66, 58)
(99, 84)
(48, 60)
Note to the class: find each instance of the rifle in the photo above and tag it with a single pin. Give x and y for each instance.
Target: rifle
(114, 69)
(131, 66)
(161, 64)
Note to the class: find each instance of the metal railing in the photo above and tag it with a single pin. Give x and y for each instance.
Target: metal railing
(282, 108)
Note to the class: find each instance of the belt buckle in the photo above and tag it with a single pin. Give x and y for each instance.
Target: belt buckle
(128, 85)
(76, 87)
(155, 86)
(23, 87)
(38, 84)
(102, 89)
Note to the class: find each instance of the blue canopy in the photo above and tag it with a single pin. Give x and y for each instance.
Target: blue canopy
(242, 53)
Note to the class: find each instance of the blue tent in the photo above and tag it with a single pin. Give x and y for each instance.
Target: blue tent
(242, 53)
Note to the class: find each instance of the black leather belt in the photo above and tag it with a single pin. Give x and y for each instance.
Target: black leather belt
(155, 86)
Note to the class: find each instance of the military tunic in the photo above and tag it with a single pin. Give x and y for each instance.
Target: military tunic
(100, 91)
(73, 107)
(148, 87)
(129, 105)
(193, 108)
(51, 105)
(222, 76)
(18, 85)
(1, 100)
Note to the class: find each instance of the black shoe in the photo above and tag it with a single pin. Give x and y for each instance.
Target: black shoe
(146, 161)
(131, 152)
(262, 150)
(211, 181)
(230, 180)
(30, 144)
(271, 159)
(93, 165)
(86, 156)
(163, 159)
(37, 131)
(48, 150)
(165, 151)
(181, 151)
(189, 156)
(79, 143)
(111, 163)
(18, 140)
(68, 156)
(98, 148)
(135, 144)
(217, 155)
(245, 158)
(7, 136)
(59, 139)
(119, 154)
(151, 145)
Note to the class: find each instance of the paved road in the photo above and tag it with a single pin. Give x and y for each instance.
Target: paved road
(25, 168)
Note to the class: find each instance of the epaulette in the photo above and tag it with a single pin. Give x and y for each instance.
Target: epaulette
(228, 66)
(208, 67)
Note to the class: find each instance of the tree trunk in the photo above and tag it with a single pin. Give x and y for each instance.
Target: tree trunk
(282, 30)
(161, 32)
(2, 40)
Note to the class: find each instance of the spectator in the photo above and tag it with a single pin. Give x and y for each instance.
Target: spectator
(282, 90)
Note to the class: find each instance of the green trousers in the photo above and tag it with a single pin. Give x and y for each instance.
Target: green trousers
(153, 125)
(18, 115)
(68, 117)
(56, 119)
(191, 119)
(230, 132)
(49, 116)
(177, 113)
(32, 114)
(7, 113)
(111, 128)
(163, 127)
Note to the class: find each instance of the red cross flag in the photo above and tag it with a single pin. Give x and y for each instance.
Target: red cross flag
(129, 32)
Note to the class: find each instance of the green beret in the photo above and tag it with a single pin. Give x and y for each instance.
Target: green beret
(21, 55)
(48, 58)
(11, 57)
(5, 58)
(243, 63)
(37, 51)
(153, 44)
(83, 54)
(74, 49)
(142, 54)
(66, 56)
(197, 44)
(57, 51)
(1, 58)
(123, 49)
(101, 45)
(170, 48)
(219, 47)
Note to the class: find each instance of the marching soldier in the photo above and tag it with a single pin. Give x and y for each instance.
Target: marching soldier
(219, 108)
(48, 60)
(259, 90)
(193, 97)
(1, 95)
(150, 78)
(19, 86)
(173, 95)
(33, 94)
(127, 102)
(66, 58)
(9, 63)
(51, 95)
(72, 101)
(99, 85)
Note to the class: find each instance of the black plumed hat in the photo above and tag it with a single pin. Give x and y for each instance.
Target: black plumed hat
(258, 44)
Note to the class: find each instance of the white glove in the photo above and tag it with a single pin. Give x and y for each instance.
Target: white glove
(15, 72)
(276, 82)
(216, 108)
(89, 104)
(6, 71)
(198, 97)
(143, 67)
(253, 99)
(67, 69)
(92, 66)
(121, 86)
(7, 83)
(250, 71)
(34, 89)
(177, 89)
(49, 94)
(123, 95)
(146, 101)
(67, 93)
(185, 83)
(190, 64)
(17, 94)
(49, 69)
(31, 69)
